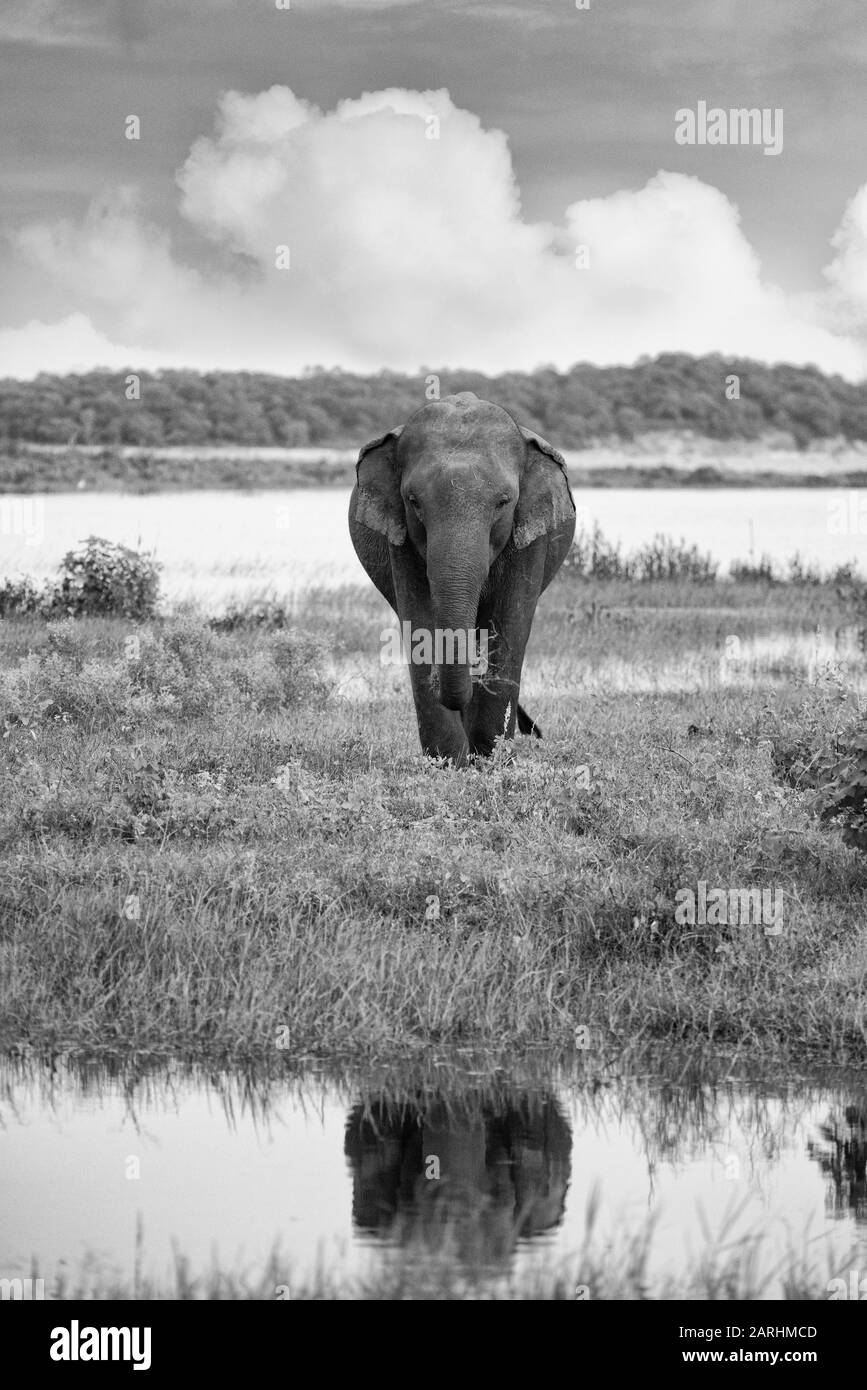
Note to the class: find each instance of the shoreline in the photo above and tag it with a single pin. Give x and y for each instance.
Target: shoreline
(671, 462)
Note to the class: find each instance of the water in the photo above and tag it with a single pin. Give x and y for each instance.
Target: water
(216, 545)
(336, 1173)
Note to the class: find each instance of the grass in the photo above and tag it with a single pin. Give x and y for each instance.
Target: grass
(621, 1273)
(213, 836)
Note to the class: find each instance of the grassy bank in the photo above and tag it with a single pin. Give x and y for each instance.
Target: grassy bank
(32, 468)
(214, 836)
(618, 1274)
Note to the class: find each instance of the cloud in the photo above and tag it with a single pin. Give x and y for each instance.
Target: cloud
(71, 345)
(407, 247)
(107, 23)
(847, 273)
(70, 23)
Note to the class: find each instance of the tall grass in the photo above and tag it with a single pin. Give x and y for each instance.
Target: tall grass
(207, 835)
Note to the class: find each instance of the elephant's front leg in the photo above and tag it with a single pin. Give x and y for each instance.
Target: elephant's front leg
(440, 730)
(493, 710)
(507, 616)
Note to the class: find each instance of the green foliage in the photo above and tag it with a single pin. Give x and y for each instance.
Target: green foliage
(801, 571)
(824, 753)
(573, 408)
(753, 571)
(297, 859)
(181, 671)
(21, 598)
(256, 613)
(842, 798)
(100, 577)
(594, 557)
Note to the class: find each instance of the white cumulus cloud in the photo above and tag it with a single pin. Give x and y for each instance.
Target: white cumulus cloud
(407, 247)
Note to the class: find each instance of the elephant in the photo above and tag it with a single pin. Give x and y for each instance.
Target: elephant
(462, 518)
(483, 1170)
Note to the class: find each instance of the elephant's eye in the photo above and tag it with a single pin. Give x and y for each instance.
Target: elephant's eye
(503, 502)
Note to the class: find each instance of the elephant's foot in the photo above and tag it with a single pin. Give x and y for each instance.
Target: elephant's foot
(483, 745)
(442, 736)
(489, 717)
(458, 755)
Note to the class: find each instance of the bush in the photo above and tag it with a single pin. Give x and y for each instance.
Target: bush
(300, 659)
(20, 598)
(842, 797)
(664, 558)
(825, 754)
(191, 671)
(183, 671)
(265, 613)
(753, 571)
(594, 557)
(101, 577)
(801, 571)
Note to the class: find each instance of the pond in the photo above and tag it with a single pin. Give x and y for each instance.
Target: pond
(219, 545)
(562, 1168)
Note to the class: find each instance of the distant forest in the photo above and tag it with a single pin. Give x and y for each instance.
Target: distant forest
(574, 408)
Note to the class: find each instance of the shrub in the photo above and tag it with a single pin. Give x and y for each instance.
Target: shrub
(801, 571)
(255, 613)
(184, 671)
(180, 669)
(20, 598)
(66, 640)
(750, 571)
(300, 659)
(594, 557)
(842, 796)
(191, 671)
(101, 577)
(664, 558)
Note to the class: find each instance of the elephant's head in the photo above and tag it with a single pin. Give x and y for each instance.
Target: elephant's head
(461, 483)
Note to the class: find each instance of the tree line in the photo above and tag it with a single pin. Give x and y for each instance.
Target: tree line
(722, 398)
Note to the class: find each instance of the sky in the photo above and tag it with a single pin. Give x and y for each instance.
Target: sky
(445, 183)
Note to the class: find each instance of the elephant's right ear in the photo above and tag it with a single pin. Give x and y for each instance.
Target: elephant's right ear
(378, 501)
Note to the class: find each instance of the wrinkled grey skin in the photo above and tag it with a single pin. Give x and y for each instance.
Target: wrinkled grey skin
(461, 519)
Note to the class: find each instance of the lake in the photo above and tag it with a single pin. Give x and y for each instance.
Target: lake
(220, 545)
(337, 1174)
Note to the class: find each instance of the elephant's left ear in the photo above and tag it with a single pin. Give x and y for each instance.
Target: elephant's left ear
(378, 502)
(545, 502)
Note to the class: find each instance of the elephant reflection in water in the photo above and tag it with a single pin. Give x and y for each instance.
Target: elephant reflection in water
(842, 1156)
(487, 1170)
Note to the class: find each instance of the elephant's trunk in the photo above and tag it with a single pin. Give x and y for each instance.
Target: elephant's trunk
(455, 589)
